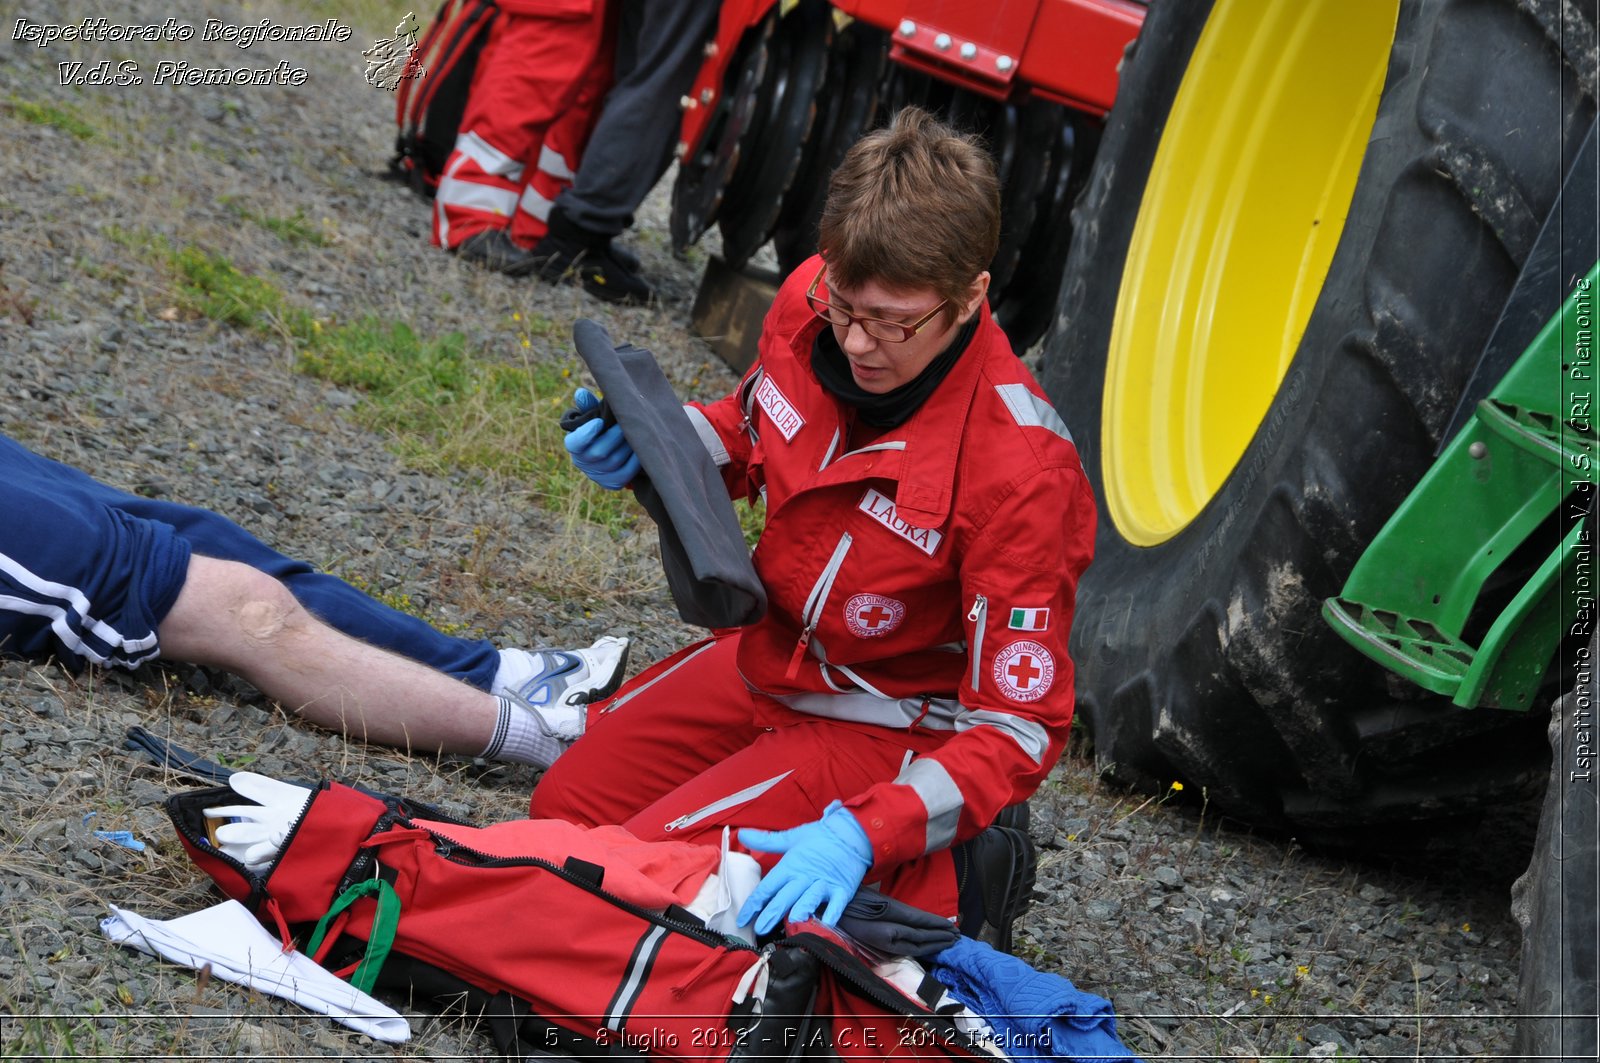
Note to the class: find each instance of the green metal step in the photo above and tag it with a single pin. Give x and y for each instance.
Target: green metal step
(1505, 477)
(1539, 432)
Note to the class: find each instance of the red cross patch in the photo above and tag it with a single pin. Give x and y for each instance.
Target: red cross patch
(1024, 671)
(871, 616)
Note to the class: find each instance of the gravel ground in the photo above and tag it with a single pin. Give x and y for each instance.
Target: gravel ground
(1212, 941)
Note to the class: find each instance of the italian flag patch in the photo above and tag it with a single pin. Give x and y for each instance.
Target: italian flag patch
(1029, 619)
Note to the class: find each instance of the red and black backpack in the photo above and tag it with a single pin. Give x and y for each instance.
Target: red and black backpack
(432, 94)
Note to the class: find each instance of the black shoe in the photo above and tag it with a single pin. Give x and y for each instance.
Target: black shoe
(995, 873)
(625, 257)
(571, 252)
(494, 249)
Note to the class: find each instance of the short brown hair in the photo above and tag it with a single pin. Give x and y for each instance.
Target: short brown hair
(911, 205)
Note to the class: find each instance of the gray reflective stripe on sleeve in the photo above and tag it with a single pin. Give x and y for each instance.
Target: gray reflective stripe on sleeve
(708, 435)
(1030, 411)
(1028, 734)
(941, 799)
(489, 158)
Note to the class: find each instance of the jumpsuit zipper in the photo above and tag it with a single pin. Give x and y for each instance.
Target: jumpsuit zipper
(979, 615)
(816, 601)
(722, 804)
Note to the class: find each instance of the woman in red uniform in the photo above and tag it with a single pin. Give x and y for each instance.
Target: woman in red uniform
(927, 523)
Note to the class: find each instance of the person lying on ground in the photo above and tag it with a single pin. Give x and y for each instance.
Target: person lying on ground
(90, 574)
(927, 522)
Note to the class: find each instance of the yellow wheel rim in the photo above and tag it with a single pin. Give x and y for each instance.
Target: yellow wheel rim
(1241, 214)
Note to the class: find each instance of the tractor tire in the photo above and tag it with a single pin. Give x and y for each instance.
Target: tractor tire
(1200, 652)
(1555, 901)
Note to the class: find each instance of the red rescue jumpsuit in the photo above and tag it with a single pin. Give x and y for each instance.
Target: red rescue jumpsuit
(913, 659)
(534, 100)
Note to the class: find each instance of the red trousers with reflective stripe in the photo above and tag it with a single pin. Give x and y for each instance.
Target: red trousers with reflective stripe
(534, 100)
(678, 754)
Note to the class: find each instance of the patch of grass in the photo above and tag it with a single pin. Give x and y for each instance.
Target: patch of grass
(446, 407)
(214, 287)
(48, 114)
(752, 518)
(295, 229)
(442, 405)
(211, 286)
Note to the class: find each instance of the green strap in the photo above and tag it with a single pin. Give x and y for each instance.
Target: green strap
(381, 938)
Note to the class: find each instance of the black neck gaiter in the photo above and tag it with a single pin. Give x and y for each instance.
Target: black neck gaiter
(892, 408)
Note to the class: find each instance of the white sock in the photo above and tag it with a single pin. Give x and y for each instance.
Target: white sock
(523, 734)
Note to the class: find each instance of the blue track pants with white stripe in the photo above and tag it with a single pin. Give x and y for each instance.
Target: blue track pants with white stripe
(88, 572)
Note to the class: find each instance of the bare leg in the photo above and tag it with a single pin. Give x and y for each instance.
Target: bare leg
(233, 617)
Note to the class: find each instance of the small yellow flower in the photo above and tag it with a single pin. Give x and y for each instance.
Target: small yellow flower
(516, 316)
(1302, 970)
(1466, 928)
(1267, 999)
(1072, 837)
(566, 374)
(525, 343)
(1255, 992)
(1176, 785)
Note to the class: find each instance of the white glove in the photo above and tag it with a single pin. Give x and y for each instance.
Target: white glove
(258, 831)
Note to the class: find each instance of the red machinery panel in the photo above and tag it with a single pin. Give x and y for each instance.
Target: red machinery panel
(1065, 50)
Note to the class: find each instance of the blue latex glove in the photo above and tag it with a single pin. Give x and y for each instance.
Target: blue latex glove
(823, 864)
(600, 452)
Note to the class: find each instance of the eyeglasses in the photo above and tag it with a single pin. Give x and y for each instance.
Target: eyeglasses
(876, 327)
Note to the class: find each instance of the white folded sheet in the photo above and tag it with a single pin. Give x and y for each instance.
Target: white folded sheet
(239, 949)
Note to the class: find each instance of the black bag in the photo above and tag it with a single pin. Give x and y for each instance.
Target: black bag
(433, 91)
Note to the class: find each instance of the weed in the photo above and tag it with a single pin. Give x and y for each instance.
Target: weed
(214, 287)
(446, 408)
(752, 518)
(48, 114)
(295, 229)
(23, 306)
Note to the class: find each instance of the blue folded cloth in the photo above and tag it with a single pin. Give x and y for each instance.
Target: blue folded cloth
(1035, 1015)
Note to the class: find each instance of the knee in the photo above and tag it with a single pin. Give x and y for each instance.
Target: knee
(226, 614)
(263, 611)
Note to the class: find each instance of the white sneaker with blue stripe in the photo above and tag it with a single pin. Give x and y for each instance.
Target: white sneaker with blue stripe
(562, 678)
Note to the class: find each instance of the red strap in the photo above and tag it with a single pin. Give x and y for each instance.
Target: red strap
(334, 931)
(389, 837)
(283, 925)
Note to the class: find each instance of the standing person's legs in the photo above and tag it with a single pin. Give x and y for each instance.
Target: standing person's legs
(562, 151)
(660, 46)
(528, 74)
